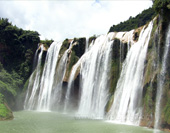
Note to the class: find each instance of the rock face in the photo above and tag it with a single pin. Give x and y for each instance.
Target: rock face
(78, 49)
(5, 111)
(153, 66)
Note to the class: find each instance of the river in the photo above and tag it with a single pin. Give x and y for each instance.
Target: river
(53, 122)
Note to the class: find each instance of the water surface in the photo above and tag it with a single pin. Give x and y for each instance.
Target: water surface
(53, 122)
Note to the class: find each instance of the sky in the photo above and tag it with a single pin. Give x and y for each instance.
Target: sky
(61, 19)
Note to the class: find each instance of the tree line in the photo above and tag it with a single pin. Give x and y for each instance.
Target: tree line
(161, 7)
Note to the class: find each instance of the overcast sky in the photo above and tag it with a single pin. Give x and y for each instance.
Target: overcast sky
(60, 19)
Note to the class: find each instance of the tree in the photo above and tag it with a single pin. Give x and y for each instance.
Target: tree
(160, 5)
(134, 22)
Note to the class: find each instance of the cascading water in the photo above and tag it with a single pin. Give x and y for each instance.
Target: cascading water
(87, 44)
(130, 38)
(35, 59)
(94, 71)
(124, 37)
(47, 79)
(46, 90)
(126, 107)
(161, 80)
(30, 100)
(59, 77)
(70, 86)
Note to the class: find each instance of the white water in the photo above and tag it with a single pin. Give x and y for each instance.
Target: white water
(125, 37)
(87, 44)
(34, 84)
(130, 39)
(67, 104)
(94, 74)
(45, 91)
(126, 107)
(47, 80)
(35, 59)
(161, 80)
(59, 77)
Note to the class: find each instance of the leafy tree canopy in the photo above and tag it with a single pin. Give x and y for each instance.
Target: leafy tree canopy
(134, 22)
(160, 5)
(47, 42)
(17, 48)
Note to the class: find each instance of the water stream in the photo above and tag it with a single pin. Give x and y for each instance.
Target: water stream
(34, 82)
(94, 70)
(126, 107)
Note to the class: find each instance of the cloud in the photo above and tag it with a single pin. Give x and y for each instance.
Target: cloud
(68, 19)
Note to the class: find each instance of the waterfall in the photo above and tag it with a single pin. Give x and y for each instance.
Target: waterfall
(70, 86)
(34, 81)
(47, 79)
(35, 59)
(94, 71)
(126, 107)
(45, 90)
(130, 38)
(161, 80)
(87, 44)
(121, 54)
(126, 37)
(59, 77)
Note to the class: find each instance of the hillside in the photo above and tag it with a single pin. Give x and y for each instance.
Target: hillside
(134, 22)
(17, 48)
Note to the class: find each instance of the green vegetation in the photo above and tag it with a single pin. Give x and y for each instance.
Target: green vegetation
(167, 112)
(73, 60)
(92, 38)
(134, 22)
(5, 112)
(115, 65)
(64, 47)
(46, 42)
(79, 48)
(119, 51)
(17, 48)
(76, 52)
(160, 5)
(109, 104)
(10, 84)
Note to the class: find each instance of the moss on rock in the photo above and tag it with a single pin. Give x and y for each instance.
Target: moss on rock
(5, 112)
(150, 78)
(116, 65)
(115, 62)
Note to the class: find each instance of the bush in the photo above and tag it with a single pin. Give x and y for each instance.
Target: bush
(47, 42)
